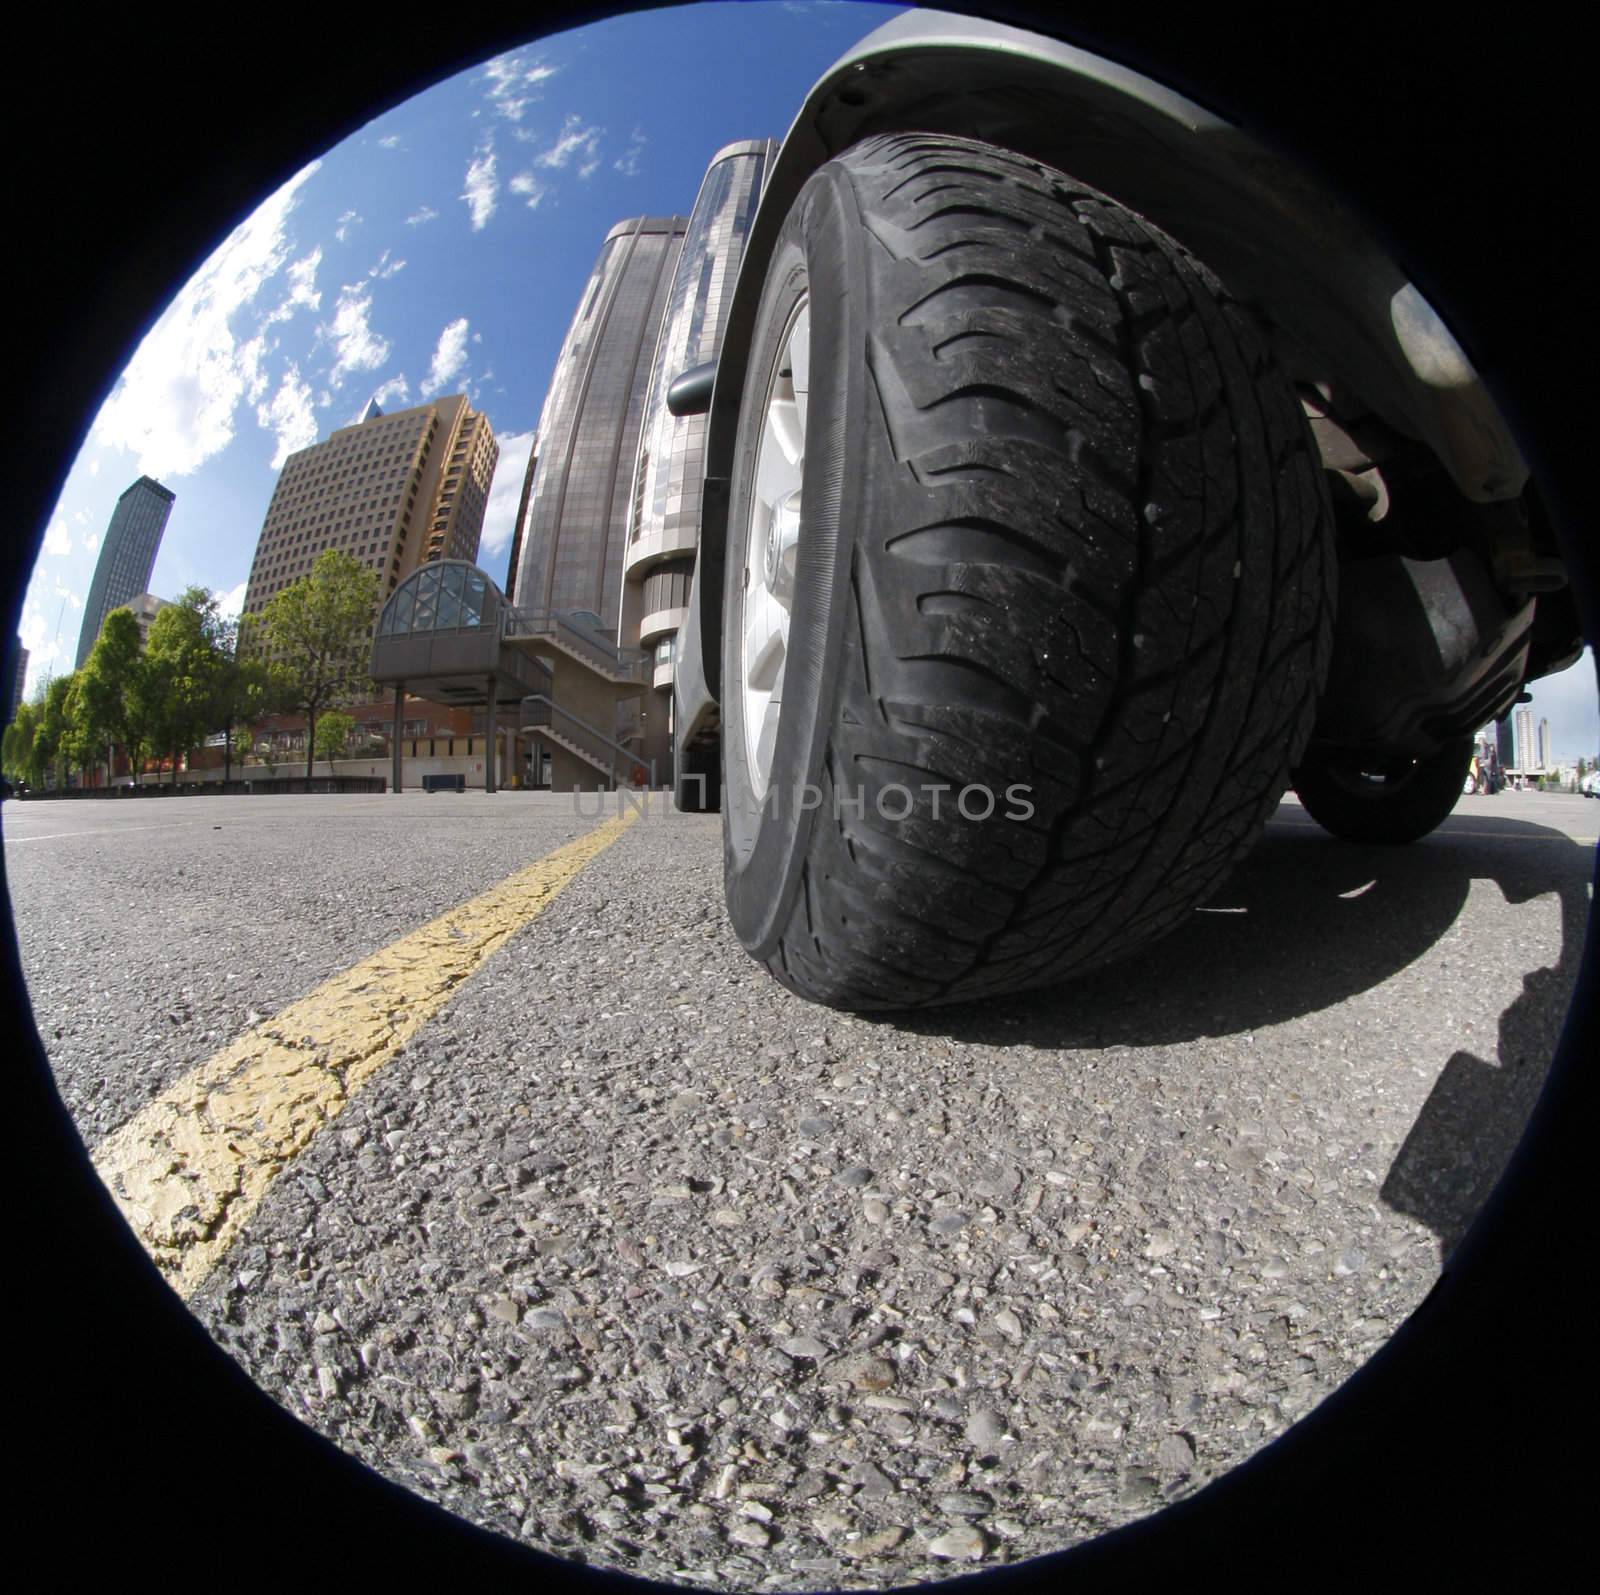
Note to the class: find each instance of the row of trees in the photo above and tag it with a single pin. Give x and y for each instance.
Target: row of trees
(199, 673)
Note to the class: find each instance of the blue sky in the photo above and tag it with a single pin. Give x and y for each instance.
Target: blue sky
(442, 249)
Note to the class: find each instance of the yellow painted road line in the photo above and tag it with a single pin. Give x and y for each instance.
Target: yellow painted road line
(190, 1169)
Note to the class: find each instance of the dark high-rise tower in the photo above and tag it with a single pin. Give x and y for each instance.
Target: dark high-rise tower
(127, 556)
(16, 677)
(571, 531)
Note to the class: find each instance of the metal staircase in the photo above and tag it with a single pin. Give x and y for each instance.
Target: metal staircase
(567, 635)
(548, 720)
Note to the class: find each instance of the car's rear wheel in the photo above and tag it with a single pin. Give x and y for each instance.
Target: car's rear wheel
(1029, 585)
(1385, 800)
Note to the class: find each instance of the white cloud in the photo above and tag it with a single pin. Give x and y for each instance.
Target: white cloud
(628, 163)
(514, 83)
(575, 139)
(231, 602)
(174, 405)
(449, 357)
(348, 222)
(396, 388)
(424, 213)
(91, 543)
(303, 294)
(251, 370)
(385, 268)
(58, 540)
(41, 637)
(63, 591)
(289, 416)
(527, 184)
(389, 142)
(356, 346)
(481, 189)
(94, 467)
(500, 513)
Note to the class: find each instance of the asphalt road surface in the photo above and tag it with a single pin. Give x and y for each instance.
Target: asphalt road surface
(466, 1126)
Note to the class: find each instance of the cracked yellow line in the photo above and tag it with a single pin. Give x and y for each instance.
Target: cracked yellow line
(190, 1169)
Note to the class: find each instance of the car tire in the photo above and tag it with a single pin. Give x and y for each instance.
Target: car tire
(1052, 570)
(1390, 802)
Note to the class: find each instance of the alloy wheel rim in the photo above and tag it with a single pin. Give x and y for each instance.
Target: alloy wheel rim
(771, 544)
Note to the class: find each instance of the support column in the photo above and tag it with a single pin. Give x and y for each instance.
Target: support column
(399, 721)
(491, 740)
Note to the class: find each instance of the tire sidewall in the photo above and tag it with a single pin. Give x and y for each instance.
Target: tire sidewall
(1393, 814)
(818, 253)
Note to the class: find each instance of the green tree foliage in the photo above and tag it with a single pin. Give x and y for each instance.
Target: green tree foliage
(115, 695)
(182, 661)
(81, 746)
(247, 688)
(318, 632)
(17, 752)
(334, 731)
(53, 733)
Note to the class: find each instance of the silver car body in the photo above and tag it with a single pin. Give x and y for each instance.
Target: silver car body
(1342, 311)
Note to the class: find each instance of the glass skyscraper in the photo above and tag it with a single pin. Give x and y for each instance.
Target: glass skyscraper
(572, 524)
(127, 556)
(1527, 751)
(664, 507)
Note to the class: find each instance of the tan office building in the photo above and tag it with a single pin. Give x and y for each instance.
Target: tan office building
(145, 608)
(393, 491)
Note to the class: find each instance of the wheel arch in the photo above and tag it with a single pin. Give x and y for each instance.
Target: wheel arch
(1275, 236)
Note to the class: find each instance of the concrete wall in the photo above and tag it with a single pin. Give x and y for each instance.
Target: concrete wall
(569, 773)
(469, 765)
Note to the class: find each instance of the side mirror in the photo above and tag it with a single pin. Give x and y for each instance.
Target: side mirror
(690, 393)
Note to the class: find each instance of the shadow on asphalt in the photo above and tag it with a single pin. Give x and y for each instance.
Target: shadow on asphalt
(1307, 922)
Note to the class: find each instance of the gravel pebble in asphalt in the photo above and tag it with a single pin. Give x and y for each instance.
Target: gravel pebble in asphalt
(217, 915)
(635, 1257)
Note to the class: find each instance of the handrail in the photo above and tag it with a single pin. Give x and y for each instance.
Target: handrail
(538, 714)
(630, 663)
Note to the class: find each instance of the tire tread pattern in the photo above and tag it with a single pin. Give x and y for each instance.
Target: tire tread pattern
(1094, 560)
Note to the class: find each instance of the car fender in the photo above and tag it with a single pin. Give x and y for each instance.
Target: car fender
(1278, 239)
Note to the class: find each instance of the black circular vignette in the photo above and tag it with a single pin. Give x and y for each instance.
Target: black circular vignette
(138, 1441)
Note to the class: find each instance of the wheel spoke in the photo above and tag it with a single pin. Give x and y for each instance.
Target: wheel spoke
(766, 635)
(767, 739)
(800, 367)
(771, 541)
(782, 453)
(787, 431)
